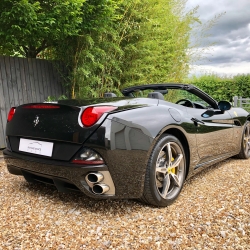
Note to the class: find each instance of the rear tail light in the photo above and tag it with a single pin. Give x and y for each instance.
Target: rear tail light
(92, 114)
(41, 106)
(11, 114)
(88, 157)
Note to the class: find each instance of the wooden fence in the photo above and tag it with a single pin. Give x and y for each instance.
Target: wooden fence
(23, 81)
(241, 102)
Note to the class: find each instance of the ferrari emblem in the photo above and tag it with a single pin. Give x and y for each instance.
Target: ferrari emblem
(235, 113)
(36, 121)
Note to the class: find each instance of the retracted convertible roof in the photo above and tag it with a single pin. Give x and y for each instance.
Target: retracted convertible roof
(166, 86)
(159, 86)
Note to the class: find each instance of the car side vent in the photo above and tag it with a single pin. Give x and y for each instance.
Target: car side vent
(156, 95)
(109, 95)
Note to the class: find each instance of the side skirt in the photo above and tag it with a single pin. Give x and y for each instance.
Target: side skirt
(215, 160)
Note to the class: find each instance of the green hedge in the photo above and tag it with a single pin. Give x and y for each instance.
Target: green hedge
(223, 88)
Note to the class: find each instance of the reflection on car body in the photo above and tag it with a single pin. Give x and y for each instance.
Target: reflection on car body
(142, 145)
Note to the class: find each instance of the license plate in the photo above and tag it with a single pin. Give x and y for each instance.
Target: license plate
(36, 147)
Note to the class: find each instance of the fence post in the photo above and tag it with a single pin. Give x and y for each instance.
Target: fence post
(240, 98)
(235, 100)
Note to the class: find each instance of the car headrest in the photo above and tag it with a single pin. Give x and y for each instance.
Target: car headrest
(107, 95)
(156, 95)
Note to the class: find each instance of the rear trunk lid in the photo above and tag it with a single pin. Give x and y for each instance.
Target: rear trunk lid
(59, 123)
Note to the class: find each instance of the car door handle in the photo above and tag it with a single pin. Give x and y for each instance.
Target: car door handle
(197, 121)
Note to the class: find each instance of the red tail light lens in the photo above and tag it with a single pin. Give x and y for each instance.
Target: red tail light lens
(41, 106)
(11, 114)
(92, 114)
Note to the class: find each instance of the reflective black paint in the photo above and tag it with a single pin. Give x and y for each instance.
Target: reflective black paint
(124, 138)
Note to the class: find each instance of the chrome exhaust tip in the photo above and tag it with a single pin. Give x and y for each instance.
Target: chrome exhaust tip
(100, 188)
(94, 177)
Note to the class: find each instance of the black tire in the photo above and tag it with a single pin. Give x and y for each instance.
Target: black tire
(245, 143)
(165, 173)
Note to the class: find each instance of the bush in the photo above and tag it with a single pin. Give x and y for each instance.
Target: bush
(223, 88)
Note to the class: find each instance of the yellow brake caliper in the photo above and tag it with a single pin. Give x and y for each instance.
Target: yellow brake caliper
(173, 170)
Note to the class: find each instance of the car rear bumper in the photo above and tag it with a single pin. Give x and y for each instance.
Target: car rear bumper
(65, 176)
(68, 177)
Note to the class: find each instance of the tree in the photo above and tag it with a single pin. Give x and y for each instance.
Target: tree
(29, 27)
(105, 44)
(128, 42)
(91, 53)
(158, 51)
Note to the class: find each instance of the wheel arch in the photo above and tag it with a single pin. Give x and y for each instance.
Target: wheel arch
(182, 138)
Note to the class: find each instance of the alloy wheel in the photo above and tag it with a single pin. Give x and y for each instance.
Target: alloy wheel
(170, 170)
(246, 139)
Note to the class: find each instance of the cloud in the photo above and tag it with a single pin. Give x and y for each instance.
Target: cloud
(228, 69)
(230, 53)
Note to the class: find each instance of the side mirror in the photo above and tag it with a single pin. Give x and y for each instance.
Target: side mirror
(208, 113)
(224, 105)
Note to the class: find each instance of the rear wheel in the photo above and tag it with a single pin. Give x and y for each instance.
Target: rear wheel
(245, 143)
(166, 171)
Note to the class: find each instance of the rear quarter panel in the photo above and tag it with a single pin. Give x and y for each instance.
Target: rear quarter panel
(126, 139)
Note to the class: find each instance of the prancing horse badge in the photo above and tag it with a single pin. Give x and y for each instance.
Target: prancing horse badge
(36, 121)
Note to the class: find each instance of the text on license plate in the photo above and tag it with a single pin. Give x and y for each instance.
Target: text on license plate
(36, 147)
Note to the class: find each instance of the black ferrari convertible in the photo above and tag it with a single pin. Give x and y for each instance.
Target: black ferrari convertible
(143, 145)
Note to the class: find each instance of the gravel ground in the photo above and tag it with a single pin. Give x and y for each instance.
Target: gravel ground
(212, 212)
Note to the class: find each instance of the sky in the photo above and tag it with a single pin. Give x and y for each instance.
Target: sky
(231, 34)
